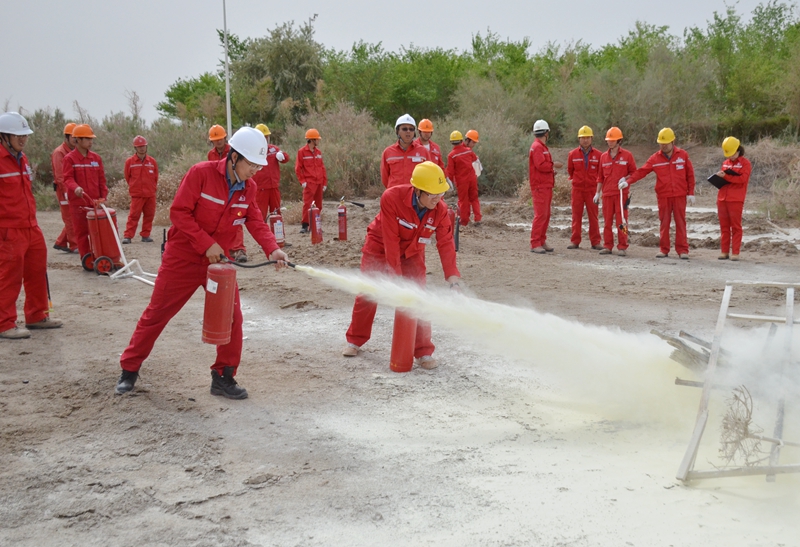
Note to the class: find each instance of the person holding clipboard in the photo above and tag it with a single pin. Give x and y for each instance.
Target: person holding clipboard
(731, 180)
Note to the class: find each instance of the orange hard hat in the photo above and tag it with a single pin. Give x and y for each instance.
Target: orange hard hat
(69, 128)
(426, 125)
(216, 133)
(83, 131)
(614, 134)
(472, 135)
(312, 134)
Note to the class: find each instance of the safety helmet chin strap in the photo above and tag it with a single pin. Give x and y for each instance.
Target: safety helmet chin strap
(233, 163)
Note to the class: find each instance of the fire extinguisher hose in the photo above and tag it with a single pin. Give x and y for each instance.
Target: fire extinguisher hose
(260, 264)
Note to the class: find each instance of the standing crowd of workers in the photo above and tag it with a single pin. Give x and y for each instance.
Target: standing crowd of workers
(239, 186)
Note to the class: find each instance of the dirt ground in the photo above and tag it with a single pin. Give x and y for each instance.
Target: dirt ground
(335, 451)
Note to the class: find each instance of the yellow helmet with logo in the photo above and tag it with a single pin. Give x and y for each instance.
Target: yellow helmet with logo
(585, 131)
(456, 136)
(429, 177)
(666, 136)
(264, 129)
(730, 145)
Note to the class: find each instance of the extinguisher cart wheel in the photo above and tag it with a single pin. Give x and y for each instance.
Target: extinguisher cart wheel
(103, 265)
(88, 262)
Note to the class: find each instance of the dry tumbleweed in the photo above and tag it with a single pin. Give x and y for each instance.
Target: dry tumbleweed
(738, 434)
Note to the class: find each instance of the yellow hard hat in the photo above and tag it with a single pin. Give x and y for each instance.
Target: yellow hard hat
(264, 129)
(456, 136)
(429, 177)
(585, 131)
(666, 136)
(729, 146)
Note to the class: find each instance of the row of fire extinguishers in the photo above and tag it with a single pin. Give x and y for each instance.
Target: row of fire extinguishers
(275, 220)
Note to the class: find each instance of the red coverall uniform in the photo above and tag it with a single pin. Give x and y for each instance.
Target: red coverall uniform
(584, 172)
(238, 241)
(398, 164)
(542, 180)
(460, 171)
(23, 251)
(205, 210)
(434, 150)
(611, 170)
(730, 203)
(88, 173)
(268, 181)
(395, 244)
(674, 181)
(142, 178)
(213, 155)
(67, 236)
(310, 169)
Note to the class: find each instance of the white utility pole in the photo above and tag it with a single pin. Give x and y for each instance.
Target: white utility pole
(227, 69)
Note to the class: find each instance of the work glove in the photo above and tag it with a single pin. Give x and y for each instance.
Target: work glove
(476, 165)
(690, 200)
(303, 184)
(324, 188)
(280, 156)
(449, 183)
(597, 198)
(622, 183)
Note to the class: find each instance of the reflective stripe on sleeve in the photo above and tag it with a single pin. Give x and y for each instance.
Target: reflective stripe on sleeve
(212, 198)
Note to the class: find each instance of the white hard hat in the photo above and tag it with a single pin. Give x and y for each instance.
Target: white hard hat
(540, 127)
(250, 143)
(14, 124)
(405, 119)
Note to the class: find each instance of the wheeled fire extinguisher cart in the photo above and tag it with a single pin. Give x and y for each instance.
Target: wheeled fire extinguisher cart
(107, 256)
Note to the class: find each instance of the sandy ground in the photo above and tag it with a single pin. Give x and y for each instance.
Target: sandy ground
(488, 449)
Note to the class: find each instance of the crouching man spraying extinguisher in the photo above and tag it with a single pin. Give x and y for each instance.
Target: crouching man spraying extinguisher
(213, 201)
(395, 244)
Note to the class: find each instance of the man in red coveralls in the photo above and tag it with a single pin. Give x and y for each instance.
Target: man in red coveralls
(674, 187)
(141, 174)
(219, 150)
(311, 174)
(583, 166)
(66, 240)
(395, 244)
(462, 170)
(399, 160)
(23, 251)
(542, 180)
(213, 199)
(85, 179)
(268, 179)
(615, 162)
(425, 134)
(736, 171)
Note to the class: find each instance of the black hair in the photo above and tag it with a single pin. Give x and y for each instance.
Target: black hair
(741, 151)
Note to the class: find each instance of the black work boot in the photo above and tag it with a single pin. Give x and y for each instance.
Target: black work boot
(126, 382)
(225, 385)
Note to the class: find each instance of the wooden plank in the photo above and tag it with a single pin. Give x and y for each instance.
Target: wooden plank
(763, 318)
(775, 453)
(694, 444)
(744, 472)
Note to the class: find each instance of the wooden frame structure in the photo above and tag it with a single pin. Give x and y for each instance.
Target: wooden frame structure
(686, 471)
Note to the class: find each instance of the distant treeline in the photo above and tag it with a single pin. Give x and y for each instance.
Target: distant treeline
(731, 77)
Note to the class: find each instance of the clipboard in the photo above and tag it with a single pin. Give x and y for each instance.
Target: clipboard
(719, 182)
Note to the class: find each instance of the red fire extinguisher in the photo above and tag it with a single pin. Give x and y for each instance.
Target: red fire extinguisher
(342, 211)
(315, 224)
(218, 312)
(404, 338)
(275, 220)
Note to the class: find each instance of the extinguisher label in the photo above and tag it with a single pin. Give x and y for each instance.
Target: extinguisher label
(279, 230)
(211, 286)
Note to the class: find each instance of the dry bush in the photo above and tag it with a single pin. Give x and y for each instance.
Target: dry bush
(118, 196)
(772, 161)
(562, 192)
(293, 213)
(169, 179)
(351, 144)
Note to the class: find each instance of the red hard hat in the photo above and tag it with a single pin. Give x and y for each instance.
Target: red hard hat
(138, 140)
